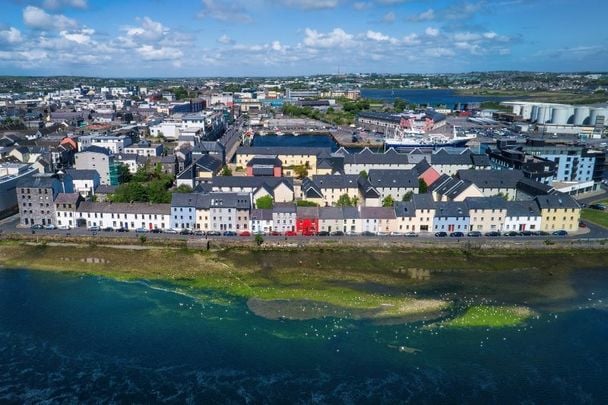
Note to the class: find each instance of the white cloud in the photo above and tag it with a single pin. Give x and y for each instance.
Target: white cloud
(224, 11)
(377, 36)
(431, 32)
(37, 18)
(11, 36)
(336, 38)
(225, 40)
(151, 53)
(438, 52)
(82, 36)
(54, 4)
(427, 15)
(411, 39)
(311, 4)
(466, 36)
(389, 17)
(148, 30)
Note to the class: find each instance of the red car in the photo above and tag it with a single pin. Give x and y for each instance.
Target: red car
(290, 233)
(275, 233)
(245, 233)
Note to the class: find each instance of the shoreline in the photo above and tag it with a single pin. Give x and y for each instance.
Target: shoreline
(378, 283)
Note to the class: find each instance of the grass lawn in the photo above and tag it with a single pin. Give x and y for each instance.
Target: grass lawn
(490, 316)
(596, 216)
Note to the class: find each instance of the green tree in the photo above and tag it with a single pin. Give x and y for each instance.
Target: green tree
(300, 171)
(344, 201)
(363, 174)
(388, 201)
(226, 171)
(124, 175)
(355, 201)
(408, 196)
(183, 188)
(259, 239)
(306, 203)
(399, 105)
(422, 186)
(264, 202)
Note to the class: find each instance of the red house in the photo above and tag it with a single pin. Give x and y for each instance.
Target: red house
(307, 220)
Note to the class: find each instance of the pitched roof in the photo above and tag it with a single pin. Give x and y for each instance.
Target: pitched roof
(491, 178)
(377, 212)
(451, 209)
(558, 200)
(125, 208)
(485, 203)
(67, 198)
(522, 209)
(261, 214)
(83, 174)
(393, 178)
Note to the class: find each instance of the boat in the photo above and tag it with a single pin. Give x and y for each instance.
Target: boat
(412, 138)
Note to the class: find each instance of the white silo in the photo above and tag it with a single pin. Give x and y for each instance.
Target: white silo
(534, 113)
(517, 109)
(526, 111)
(560, 115)
(595, 112)
(544, 114)
(580, 115)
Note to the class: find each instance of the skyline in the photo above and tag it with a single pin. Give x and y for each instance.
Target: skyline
(298, 37)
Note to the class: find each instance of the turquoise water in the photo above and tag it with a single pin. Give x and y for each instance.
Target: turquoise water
(70, 338)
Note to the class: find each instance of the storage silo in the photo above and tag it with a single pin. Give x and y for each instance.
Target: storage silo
(560, 115)
(544, 114)
(517, 109)
(526, 111)
(595, 112)
(534, 113)
(580, 115)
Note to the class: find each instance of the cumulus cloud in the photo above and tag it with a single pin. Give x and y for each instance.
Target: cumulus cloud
(361, 5)
(152, 53)
(224, 11)
(82, 36)
(431, 32)
(336, 38)
(37, 18)
(11, 36)
(311, 4)
(149, 30)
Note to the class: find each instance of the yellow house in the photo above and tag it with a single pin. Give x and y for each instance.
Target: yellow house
(416, 215)
(559, 212)
(289, 156)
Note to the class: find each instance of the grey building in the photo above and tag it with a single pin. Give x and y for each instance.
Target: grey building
(35, 199)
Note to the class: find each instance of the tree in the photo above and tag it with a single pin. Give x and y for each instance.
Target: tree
(183, 188)
(408, 196)
(226, 171)
(300, 171)
(259, 239)
(399, 105)
(388, 201)
(422, 186)
(363, 174)
(264, 202)
(124, 175)
(344, 201)
(306, 203)
(355, 201)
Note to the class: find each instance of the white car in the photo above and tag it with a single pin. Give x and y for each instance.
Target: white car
(50, 227)
(170, 230)
(64, 227)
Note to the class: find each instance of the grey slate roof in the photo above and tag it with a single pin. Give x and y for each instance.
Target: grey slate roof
(485, 203)
(288, 208)
(393, 178)
(558, 200)
(38, 182)
(331, 213)
(366, 156)
(451, 209)
(377, 212)
(522, 209)
(208, 163)
(405, 209)
(251, 181)
(105, 189)
(449, 186)
(281, 150)
(83, 174)
(97, 149)
(492, 178)
(307, 212)
(423, 201)
(261, 214)
(265, 160)
(125, 208)
(310, 189)
(67, 198)
(336, 181)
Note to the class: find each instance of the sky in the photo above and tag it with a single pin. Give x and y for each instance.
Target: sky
(171, 38)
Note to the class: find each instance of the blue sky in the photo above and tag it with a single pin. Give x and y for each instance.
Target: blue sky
(142, 38)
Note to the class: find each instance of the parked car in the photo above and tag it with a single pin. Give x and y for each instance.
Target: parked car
(457, 235)
(50, 227)
(108, 229)
(214, 233)
(94, 229)
(474, 234)
(185, 232)
(141, 230)
(600, 207)
(322, 233)
(245, 233)
(441, 234)
(411, 234)
(156, 230)
(229, 233)
(37, 226)
(275, 233)
(64, 227)
(337, 233)
(492, 233)
(291, 233)
(526, 233)
(122, 230)
(561, 232)
(198, 232)
(511, 233)
(541, 233)
(171, 230)
(581, 224)
(368, 233)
